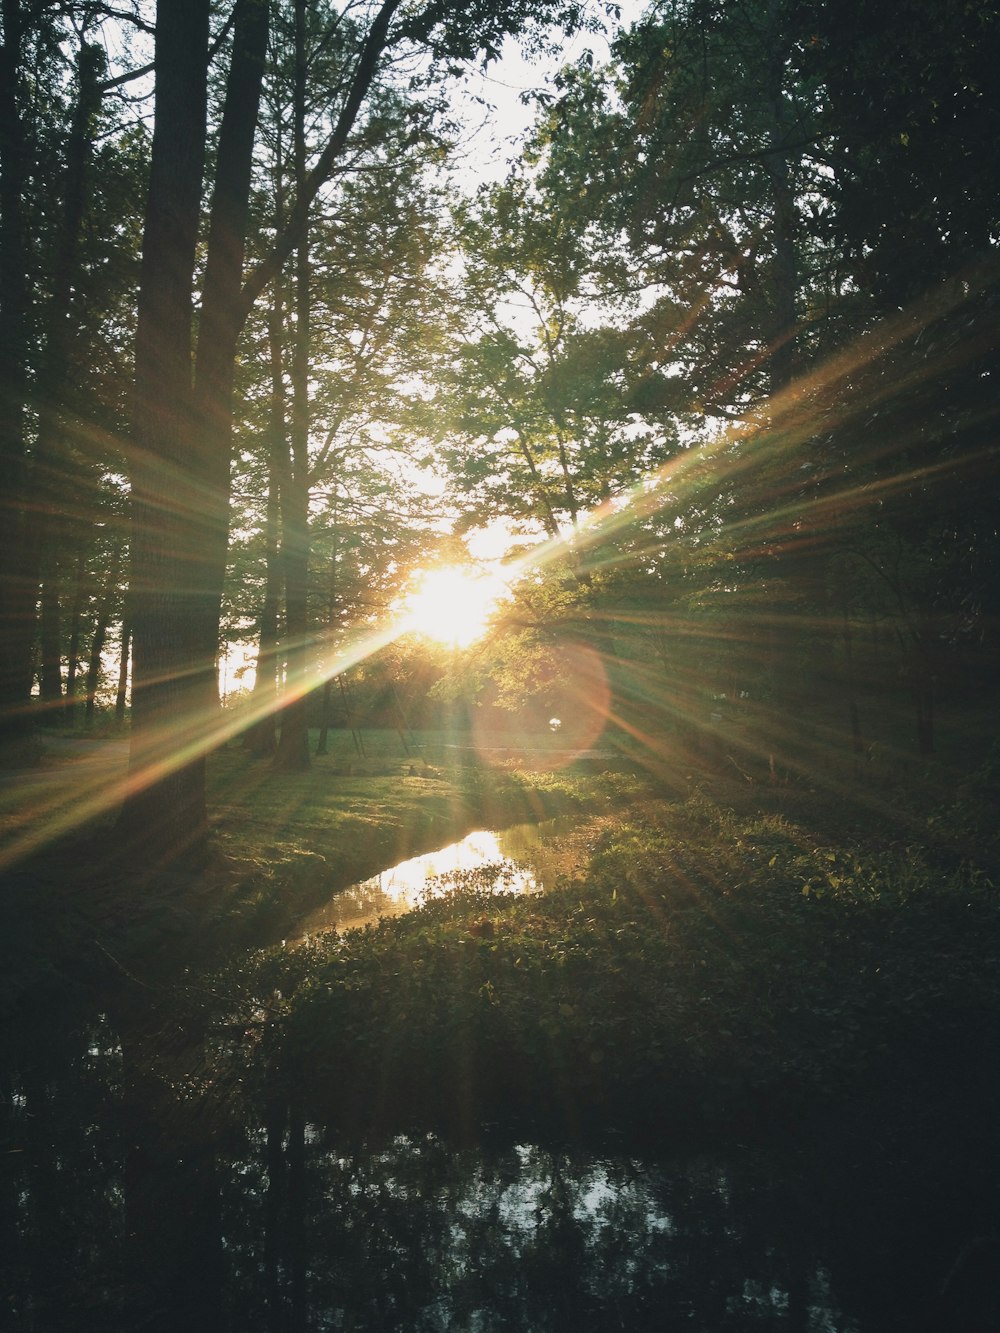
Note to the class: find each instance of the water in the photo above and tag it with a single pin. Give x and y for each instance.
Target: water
(525, 861)
(126, 1204)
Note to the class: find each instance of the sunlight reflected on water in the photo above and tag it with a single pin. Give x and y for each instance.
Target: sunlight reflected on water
(518, 853)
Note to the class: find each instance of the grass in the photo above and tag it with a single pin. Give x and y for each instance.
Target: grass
(282, 843)
(706, 969)
(739, 958)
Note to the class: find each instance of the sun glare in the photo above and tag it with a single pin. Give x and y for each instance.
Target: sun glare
(451, 605)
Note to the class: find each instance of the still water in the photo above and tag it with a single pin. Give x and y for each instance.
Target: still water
(524, 857)
(127, 1203)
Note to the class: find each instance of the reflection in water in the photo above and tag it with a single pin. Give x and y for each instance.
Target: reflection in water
(124, 1206)
(524, 863)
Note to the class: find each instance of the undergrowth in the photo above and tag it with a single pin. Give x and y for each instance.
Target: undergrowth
(706, 967)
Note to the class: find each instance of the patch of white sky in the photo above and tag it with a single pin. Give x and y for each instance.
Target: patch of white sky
(497, 104)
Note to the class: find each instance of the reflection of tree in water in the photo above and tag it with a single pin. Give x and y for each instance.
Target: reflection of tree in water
(61, 1188)
(421, 1236)
(125, 1203)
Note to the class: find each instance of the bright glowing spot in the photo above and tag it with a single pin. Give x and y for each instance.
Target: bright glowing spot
(451, 604)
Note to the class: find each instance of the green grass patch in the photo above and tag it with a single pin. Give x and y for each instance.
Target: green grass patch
(706, 967)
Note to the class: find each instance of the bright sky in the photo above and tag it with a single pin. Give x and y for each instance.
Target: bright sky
(496, 128)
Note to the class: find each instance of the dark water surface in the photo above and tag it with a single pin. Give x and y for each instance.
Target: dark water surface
(137, 1194)
(130, 1202)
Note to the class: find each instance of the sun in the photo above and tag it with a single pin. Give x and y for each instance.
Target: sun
(451, 604)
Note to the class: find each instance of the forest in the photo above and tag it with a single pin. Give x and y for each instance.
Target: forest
(552, 415)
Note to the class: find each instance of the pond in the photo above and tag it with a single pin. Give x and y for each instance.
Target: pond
(524, 857)
(128, 1202)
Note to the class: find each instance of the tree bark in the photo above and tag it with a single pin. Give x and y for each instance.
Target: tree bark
(101, 624)
(165, 813)
(121, 696)
(221, 322)
(293, 746)
(261, 736)
(48, 482)
(75, 628)
(17, 608)
(183, 427)
(50, 634)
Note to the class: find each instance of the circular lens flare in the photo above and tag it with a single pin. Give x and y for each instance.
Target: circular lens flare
(584, 697)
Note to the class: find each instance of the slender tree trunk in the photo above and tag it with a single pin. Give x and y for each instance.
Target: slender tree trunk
(121, 696)
(261, 737)
(784, 266)
(293, 747)
(50, 636)
(101, 624)
(221, 323)
(180, 483)
(48, 480)
(331, 627)
(166, 814)
(75, 634)
(17, 608)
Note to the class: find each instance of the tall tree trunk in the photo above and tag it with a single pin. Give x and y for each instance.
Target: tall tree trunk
(48, 481)
(222, 321)
(180, 483)
(75, 632)
(183, 428)
(101, 624)
(293, 747)
(121, 695)
(50, 636)
(261, 736)
(165, 814)
(784, 266)
(331, 630)
(17, 609)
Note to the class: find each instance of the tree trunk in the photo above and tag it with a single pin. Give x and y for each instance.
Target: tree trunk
(17, 609)
(100, 635)
(293, 747)
(165, 814)
(75, 626)
(48, 481)
(322, 746)
(121, 695)
(50, 633)
(261, 736)
(221, 322)
(180, 484)
(784, 266)
(181, 479)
